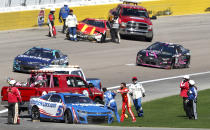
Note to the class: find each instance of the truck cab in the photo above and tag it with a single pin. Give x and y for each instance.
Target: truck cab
(134, 19)
(52, 83)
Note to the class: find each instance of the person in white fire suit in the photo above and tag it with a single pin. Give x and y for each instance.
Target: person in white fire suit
(137, 91)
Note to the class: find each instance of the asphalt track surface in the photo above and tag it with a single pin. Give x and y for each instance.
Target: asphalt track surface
(115, 63)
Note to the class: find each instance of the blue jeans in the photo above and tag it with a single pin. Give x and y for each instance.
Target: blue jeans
(72, 33)
(138, 106)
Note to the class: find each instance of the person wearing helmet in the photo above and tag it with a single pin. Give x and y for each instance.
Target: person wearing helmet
(110, 102)
(192, 100)
(13, 99)
(184, 85)
(64, 11)
(137, 91)
(126, 102)
(71, 22)
(51, 19)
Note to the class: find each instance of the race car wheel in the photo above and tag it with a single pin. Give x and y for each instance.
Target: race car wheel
(35, 114)
(68, 117)
(98, 101)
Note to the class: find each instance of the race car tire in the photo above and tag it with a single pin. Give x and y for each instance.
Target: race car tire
(68, 117)
(35, 114)
(98, 101)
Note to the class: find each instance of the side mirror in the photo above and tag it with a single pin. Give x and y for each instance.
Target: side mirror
(153, 17)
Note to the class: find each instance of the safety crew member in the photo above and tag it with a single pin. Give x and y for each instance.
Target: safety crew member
(126, 102)
(51, 19)
(115, 25)
(184, 85)
(71, 22)
(13, 99)
(192, 101)
(137, 91)
(64, 11)
(110, 102)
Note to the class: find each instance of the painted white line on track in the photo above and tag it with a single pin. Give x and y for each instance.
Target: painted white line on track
(149, 81)
(155, 80)
(130, 64)
(3, 111)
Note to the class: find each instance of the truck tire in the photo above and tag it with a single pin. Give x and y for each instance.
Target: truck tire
(148, 39)
(35, 114)
(98, 101)
(68, 117)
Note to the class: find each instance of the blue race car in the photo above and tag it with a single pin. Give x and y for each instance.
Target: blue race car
(69, 108)
(37, 58)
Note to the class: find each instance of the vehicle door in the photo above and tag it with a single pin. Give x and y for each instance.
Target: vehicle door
(71, 85)
(55, 108)
(83, 87)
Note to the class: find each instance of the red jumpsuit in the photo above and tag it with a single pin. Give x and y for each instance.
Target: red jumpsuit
(126, 103)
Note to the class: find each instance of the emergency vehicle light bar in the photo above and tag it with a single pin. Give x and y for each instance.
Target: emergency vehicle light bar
(131, 2)
(41, 71)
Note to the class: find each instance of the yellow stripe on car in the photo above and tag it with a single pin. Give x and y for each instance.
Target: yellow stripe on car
(92, 31)
(84, 28)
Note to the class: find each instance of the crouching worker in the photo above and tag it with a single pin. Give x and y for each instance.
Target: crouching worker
(192, 101)
(13, 99)
(110, 102)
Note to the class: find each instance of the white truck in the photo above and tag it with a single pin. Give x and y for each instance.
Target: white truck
(74, 70)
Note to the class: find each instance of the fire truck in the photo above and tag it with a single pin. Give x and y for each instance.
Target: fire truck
(134, 19)
(51, 82)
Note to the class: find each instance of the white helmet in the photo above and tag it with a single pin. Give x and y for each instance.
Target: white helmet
(52, 9)
(12, 82)
(186, 77)
(192, 82)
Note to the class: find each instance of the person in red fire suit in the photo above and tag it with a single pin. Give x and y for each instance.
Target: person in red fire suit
(126, 102)
(51, 19)
(13, 99)
(184, 85)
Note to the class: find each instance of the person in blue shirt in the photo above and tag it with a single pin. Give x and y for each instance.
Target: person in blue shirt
(64, 11)
(110, 102)
(192, 100)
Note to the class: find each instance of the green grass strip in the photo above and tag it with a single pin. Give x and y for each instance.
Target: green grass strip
(168, 112)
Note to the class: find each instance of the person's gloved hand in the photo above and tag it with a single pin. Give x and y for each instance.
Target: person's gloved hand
(131, 94)
(143, 95)
(186, 101)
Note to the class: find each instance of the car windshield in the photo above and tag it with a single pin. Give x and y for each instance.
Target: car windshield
(46, 54)
(78, 72)
(77, 99)
(134, 12)
(164, 48)
(39, 53)
(99, 24)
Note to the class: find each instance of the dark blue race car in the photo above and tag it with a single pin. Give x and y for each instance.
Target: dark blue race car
(37, 58)
(69, 108)
(164, 55)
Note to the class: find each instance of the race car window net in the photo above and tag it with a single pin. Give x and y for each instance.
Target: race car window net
(134, 12)
(99, 24)
(77, 99)
(80, 82)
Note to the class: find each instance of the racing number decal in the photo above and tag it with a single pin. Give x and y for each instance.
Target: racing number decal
(59, 111)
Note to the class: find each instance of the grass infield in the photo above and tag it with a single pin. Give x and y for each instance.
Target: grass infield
(168, 112)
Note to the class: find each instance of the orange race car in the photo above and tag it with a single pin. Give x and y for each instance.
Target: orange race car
(94, 30)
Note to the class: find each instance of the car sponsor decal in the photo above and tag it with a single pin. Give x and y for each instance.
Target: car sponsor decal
(34, 57)
(74, 114)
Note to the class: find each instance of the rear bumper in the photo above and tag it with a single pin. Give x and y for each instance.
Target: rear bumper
(145, 33)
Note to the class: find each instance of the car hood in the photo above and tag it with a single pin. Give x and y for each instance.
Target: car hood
(136, 19)
(89, 28)
(34, 59)
(97, 108)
